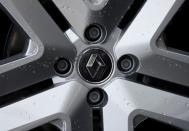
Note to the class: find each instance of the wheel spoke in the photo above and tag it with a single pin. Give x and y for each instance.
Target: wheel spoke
(60, 103)
(47, 43)
(127, 97)
(82, 13)
(141, 40)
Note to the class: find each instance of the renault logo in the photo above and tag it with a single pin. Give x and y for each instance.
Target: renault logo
(95, 65)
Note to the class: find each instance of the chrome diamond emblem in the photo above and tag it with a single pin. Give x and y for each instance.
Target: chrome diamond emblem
(95, 65)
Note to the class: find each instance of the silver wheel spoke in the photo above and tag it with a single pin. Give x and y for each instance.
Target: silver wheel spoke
(141, 40)
(47, 44)
(82, 13)
(60, 103)
(127, 97)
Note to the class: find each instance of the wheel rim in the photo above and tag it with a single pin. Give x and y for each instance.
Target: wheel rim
(149, 89)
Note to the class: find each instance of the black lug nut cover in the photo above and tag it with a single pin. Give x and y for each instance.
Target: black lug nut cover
(62, 66)
(127, 64)
(97, 97)
(93, 32)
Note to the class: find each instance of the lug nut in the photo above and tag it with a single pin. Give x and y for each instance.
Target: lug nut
(127, 64)
(94, 97)
(93, 32)
(62, 66)
(97, 97)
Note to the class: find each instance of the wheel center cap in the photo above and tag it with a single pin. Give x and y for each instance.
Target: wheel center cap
(95, 65)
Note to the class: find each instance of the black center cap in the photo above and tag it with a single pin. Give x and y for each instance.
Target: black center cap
(95, 65)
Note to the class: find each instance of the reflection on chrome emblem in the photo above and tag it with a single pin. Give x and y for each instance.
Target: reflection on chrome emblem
(95, 65)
